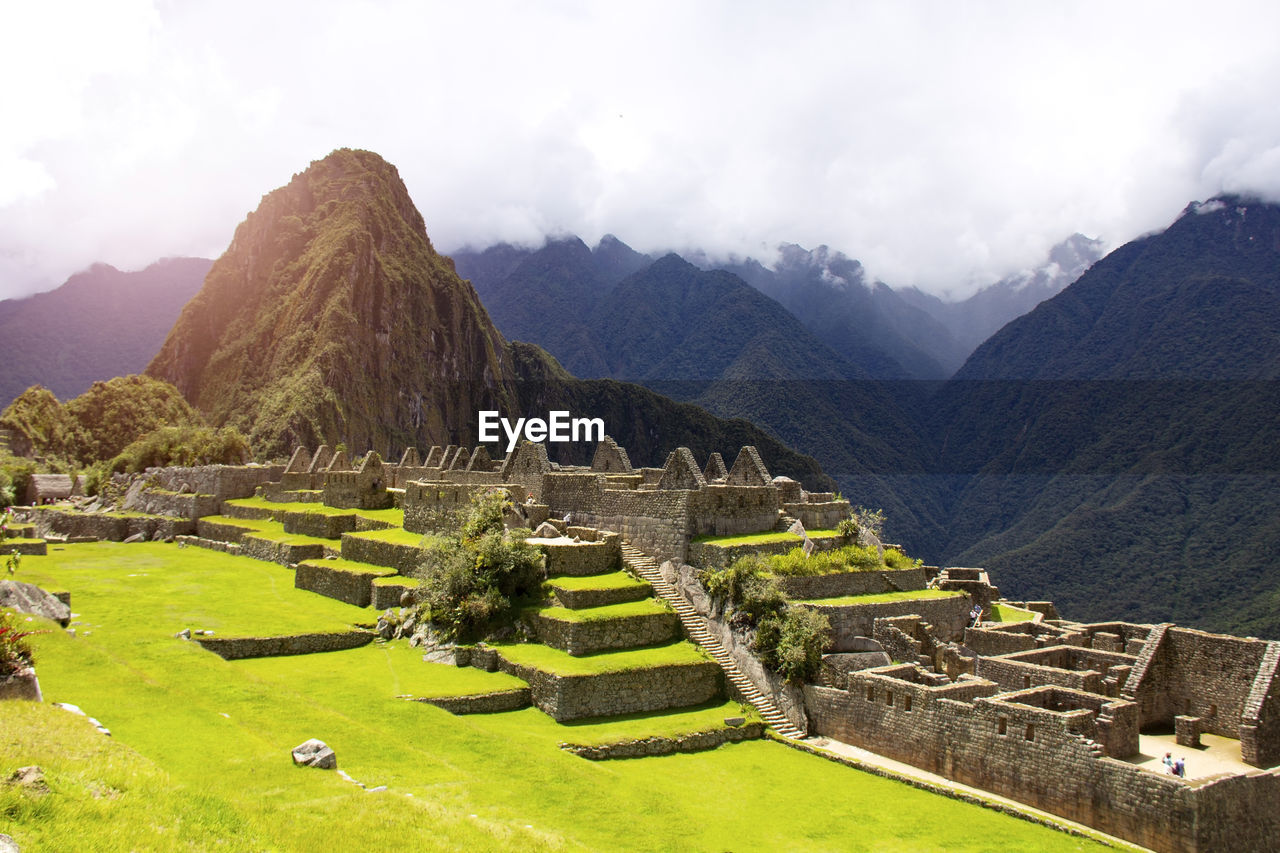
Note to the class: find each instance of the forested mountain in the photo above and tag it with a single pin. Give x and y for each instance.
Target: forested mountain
(1116, 446)
(1111, 450)
(331, 317)
(100, 324)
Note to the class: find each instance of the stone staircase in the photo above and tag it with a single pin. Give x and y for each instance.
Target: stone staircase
(696, 627)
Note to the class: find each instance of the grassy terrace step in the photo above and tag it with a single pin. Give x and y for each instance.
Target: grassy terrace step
(885, 597)
(613, 626)
(598, 590)
(344, 580)
(367, 519)
(646, 607)
(555, 662)
(394, 548)
(769, 537)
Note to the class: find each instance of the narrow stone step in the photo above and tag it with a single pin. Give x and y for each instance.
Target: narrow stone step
(695, 627)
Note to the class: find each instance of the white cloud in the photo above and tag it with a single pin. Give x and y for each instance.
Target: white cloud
(941, 144)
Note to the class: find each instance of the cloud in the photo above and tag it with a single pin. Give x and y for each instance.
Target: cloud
(943, 145)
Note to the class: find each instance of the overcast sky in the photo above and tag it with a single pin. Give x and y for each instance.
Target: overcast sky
(943, 144)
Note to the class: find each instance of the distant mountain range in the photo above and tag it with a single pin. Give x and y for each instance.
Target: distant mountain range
(100, 324)
(1112, 449)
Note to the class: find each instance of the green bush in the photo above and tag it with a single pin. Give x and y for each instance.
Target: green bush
(473, 579)
(895, 559)
(850, 558)
(792, 644)
(789, 639)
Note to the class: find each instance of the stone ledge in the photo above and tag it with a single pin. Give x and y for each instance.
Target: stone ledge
(656, 688)
(481, 703)
(235, 648)
(320, 524)
(25, 547)
(286, 554)
(622, 632)
(354, 586)
(385, 595)
(644, 747)
(393, 555)
(582, 599)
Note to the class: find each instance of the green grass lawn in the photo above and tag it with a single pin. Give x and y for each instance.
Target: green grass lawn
(152, 590)
(883, 597)
(395, 536)
(393, 516)
(352, 566)
(644, 607)
(553, 660)
(766, 538)
(613, 580)
(1008, 613)
(200, 753)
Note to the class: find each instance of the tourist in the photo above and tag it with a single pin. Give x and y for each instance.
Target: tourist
(1180, 768)
(1168, 763)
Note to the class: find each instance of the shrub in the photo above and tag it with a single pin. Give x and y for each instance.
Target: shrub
(895, 559)
(473, 579)
(789, 639)
(792, 644)
(850, 558)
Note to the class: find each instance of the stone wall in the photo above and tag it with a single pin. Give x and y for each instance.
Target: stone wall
(284, 553)
(578, 559)
(482, 703)
(1186, 672)
(1065, 666)
(354, 586)
(575, 697)
(586, 636)
(948, 616)
(1260, 723)
(818, 516)
(394, 555)
(183, 505)
(114, 528)
(432, 506)
(224, 482)
(235, 648)
(1034, 755)
(644, 747)
(322, 525)
(713, 555)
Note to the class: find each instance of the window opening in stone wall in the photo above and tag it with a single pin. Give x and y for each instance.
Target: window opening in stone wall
(906, 702)
(888, 698)
(1031, 732)
(1002, 725)
(1213, 710)
(871, 694)
(1026, 681)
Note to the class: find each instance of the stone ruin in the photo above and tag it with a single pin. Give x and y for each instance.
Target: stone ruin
(1046, 711)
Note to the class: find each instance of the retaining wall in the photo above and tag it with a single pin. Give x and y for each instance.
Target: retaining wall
(235, 648)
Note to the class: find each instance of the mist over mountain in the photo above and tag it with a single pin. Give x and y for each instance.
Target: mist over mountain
(976, 318)
(331, 318)
(100, 324)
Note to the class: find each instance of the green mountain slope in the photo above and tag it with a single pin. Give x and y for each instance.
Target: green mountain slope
(101, 323)
(1115, 448)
